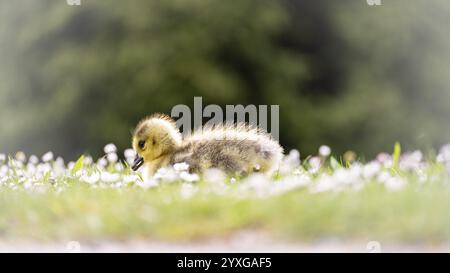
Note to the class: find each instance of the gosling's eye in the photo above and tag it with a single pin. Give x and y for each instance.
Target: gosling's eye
(141, 144)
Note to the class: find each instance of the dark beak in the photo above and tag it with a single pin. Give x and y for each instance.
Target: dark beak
(138, 162)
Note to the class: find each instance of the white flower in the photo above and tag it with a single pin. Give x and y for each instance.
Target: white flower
(214, 176)
(290, 162)
(2, 157)
(444, 154)
(166, 174)
(91, 179)
(129, 154)
(119, 167)
(385, 159)
(324, 183)
(110, 148)
(112, 157)
(27, 185)
(102, 162)
(315, 164)
(324, 151)
(340, 180)
(371, 169)
(257, 184)
(3, 180)
(131, 178)
(88, 160)
(47, 157)
(20, 156)
(147, 183)
(59, 162)
(354, 173)
(179, 167)
(70, 165)
(289, 183)
(130, 161)
(33, 160)
(447, 166)
(411, 161)
(109, 177)
(189, 177)
(383, 176)
(3, 170)
(16, 164)
(395, 183)
(80, 173)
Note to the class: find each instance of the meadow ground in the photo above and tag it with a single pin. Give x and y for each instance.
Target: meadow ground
(318, 204)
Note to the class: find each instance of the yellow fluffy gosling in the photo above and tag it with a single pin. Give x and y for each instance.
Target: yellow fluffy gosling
(235, 149)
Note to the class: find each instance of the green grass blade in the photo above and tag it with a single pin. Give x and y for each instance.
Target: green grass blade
(396, 155)
(78, 165)
(334, 163)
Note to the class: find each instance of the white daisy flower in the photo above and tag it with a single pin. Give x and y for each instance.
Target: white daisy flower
(47, 157)
(108, 177)
(119, 167)
(216, 180)
(59, 162)
(33, 160)
(88, 160)
(371, 169)
(166, 175)
(110, 148)
(70, 165)
(315, 164)
(147, 183)
(290, 162)
(395, 184)
(189, 177)
(91, 179)
(20, 156)
(102, 162)
(179, 167)
(324, 151)
(129, 154)
(411, 161)
(112, 157)
(131, 178)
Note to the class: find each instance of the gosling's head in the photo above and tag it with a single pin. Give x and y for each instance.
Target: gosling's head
(155, 137)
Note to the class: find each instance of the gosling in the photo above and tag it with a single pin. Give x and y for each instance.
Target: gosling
(235, 149)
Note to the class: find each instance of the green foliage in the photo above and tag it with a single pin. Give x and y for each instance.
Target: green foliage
(334, 163)
(78, 165)
(396, 155)
(344, 74)
(83, 213)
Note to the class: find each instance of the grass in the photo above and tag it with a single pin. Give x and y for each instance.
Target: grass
(183, 211)
(81, 212)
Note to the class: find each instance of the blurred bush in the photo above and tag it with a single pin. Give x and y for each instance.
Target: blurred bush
(344, 73)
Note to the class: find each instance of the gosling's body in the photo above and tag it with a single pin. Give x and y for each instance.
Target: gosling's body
(235, 149)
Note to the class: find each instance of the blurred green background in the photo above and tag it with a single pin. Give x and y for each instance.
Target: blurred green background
(346, 74)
